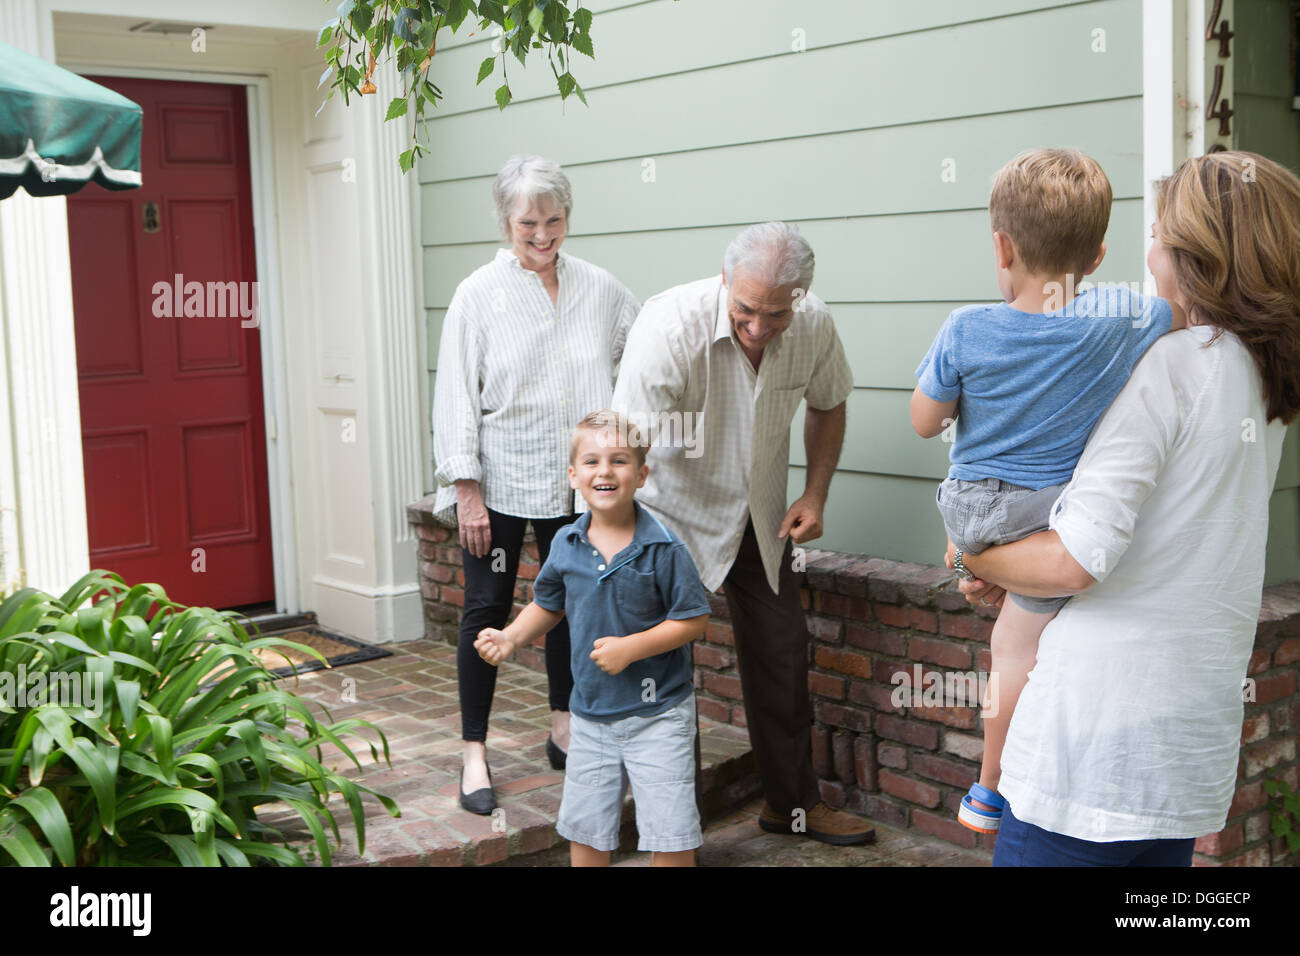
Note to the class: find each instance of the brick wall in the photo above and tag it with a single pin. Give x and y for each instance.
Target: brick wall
(871, 619)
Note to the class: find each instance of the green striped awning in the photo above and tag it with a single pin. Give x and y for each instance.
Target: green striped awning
(59, 131)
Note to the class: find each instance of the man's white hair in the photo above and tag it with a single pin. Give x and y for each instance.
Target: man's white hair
(773, 253)
(529, 178)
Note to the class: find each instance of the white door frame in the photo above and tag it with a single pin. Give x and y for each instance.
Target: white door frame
(1173, 92)
(275, 400)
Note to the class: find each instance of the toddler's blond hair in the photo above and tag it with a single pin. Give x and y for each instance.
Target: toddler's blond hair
(1055, 206)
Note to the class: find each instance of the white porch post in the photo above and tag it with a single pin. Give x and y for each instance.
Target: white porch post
(43, 538)
(394, 363)
(1173, 92)
(1164, 72)
(366, 368)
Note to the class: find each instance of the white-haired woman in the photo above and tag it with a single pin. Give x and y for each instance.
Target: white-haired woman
(530, 344)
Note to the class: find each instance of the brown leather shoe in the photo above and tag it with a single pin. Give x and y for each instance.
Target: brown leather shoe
(822, 823)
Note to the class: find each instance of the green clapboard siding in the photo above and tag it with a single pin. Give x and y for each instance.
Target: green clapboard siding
(858, 259)
(707, 35)
(904, 78)
(1283, 537)
(880, 515)
(1288, 472)
(1265, 123)
(878, 172)
(703, 119)
(885, 515)
(1263, 87)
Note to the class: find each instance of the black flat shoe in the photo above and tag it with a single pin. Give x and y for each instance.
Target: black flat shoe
(555, 755)
(483, 801)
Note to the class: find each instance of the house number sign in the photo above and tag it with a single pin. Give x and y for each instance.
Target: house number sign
(1220, 109)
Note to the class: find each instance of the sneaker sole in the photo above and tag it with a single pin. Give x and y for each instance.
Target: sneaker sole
(834, 839)
(971, 820)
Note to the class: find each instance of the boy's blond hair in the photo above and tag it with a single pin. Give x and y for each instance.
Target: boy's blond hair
(629, 436)
(1054, 204)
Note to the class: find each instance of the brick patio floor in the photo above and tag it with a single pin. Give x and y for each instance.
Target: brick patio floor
(412, 697)
(735, 840)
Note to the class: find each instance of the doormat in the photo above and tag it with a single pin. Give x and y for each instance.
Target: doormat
(335, 648)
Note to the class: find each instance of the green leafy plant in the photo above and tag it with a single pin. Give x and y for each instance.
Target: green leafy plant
(369, 31)
(167, 736)
(1284, 803)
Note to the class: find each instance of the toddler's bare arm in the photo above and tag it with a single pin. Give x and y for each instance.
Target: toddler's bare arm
(929, 417)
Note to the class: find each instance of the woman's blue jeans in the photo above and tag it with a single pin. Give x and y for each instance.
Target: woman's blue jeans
(1023, 844)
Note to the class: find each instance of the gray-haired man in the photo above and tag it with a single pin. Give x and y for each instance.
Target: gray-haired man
(729, 358)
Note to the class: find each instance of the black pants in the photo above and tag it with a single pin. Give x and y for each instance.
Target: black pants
(772, 657)
(489, 596)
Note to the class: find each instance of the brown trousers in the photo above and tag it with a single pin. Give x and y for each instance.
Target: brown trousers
(772, 657)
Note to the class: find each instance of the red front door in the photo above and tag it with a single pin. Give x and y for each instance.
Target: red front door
(168, 356)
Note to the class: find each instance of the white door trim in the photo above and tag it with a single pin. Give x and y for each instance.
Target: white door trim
(266, 251)
(1164, 72)
(1195, 88)
(1173, 91)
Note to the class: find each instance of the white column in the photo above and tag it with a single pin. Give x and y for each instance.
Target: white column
(1164, 84)
(363, 363)
(393, 357)
(1196, 89)
(42, 490)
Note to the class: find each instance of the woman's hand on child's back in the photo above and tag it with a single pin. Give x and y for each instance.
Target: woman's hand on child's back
(608, 653)
(493, 645)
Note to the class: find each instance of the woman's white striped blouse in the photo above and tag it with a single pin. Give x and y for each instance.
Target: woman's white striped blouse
(515, 373)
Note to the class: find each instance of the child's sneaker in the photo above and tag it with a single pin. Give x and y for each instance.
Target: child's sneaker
(981, 821)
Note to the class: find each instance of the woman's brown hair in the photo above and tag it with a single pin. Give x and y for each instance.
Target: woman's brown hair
(1231, 224)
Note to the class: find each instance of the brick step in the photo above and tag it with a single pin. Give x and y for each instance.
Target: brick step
(435, 831)
(729, 779)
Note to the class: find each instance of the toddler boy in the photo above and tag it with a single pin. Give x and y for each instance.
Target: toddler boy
(1026, 380)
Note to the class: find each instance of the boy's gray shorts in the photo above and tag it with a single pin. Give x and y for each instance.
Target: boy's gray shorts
(656, 754)
(980, 514)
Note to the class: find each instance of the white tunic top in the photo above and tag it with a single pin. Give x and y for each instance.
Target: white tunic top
(516, 373)
(732, 456)
(1129, 727)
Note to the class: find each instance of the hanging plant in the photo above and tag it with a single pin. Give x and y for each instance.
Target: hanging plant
(367, 32)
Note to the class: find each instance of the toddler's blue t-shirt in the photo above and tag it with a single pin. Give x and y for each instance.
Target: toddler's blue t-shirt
(1032, 386)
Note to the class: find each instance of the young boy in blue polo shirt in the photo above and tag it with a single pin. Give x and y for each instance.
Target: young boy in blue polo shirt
(634, 602)
(1026, 379)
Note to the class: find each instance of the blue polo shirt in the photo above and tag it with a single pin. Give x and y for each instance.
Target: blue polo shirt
(649, 581)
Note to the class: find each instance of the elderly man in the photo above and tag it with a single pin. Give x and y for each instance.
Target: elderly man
(714, 370)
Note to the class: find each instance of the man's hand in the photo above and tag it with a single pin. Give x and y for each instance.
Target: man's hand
(975, 590)
(803, 522)
(493, 646)
(472, 517)
(610, 654)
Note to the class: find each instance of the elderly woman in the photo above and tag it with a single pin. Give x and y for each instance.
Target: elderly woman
(1123, 746)
(530, 344)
